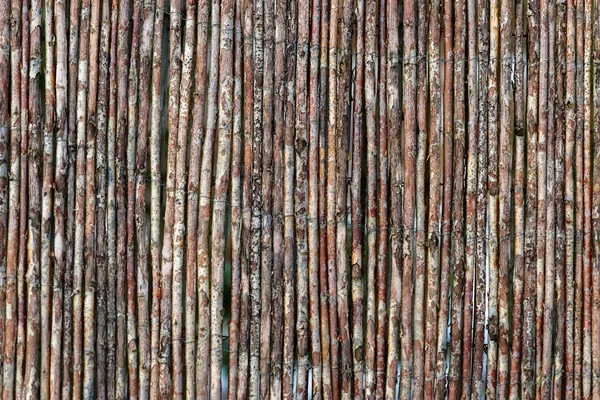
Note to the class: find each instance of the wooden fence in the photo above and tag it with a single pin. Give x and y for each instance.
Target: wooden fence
(325, 199)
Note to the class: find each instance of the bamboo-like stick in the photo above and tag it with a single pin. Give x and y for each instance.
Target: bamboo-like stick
(155, 203)
(493, 171)
(267, 190)
(570, 128)
(142, 271)
(289, 327)
(433, 215)
(421, 205)
(237, 166)
(329, 375)
(478, 378)
(46, 230)
(321, 372)
(395, 223)
(505, 177)
(90, 283)
(111, 210)
(591, 350)
(559, 339)
(101, 233)
(31, 382)
(223, 155)
(80, 201)
(442, 326)
(13, 237)
(578, 329)
(24, 208)
(458, 202)
(300, 202)
(204, 213)
(519, 198)
(344, 71)
(277, 210)
(198, 127)
(356, 194)
(257, 194)
(180, 87)
(471, 198)
(244, 354)
(124, 372)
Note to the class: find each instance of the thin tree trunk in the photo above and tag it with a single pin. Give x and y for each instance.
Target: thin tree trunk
(559, 341)
(595, 203)
(591, 350)
(356, 192)
(31, 382)
(433, 215)
(458, 202)
(46, 212)
(47, 198)
(111, 226)
(266, 241)
(442, 326)
(478, 378)
(244, 354)
(124, 371)
(578, 329)
(421, 205)
(329, 375)
(256, 375)
(223, 155)
(519, 190)
(180, 70)
(395, 223)
(204, 213)
(198, 126)
(143, 291)
(80, 201)
(332, 161)
(288, 208)
(541, 188)
(60, 201)
(24, 207)
(101, 232)
(321, 372)
(382, 255)
(90, 283)
(181, 65)
(370, 88)
(493, 241)
(471, 198)
(12, 262)
(570, 127)
(157, 360)
(237, 166)
(505, 173)
(277, 210)
(529, 307)
(344, 66)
